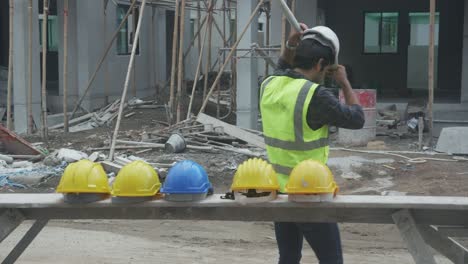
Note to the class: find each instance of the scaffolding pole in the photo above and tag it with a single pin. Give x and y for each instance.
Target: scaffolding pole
(44, 71)
(30, 29)
(10, 67)
(127, 80)
(175, 36)
(65, 65)
(231, 53)
(431, 70)
(181, 62)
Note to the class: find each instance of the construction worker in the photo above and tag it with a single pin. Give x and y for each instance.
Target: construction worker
(296, 112)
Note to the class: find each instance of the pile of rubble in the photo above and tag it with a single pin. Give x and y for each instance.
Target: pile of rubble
(106, 115)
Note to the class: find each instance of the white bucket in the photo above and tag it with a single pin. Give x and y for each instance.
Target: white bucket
(175, 144)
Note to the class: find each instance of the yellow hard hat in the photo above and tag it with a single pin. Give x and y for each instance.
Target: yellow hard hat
(84, 176)
(311, 177)
(255, 174)
(136, 179)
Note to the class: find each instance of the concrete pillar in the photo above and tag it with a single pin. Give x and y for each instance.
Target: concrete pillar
(247, 70)
(275, 23)
(306, 12)
(464, 88)
(20, 66)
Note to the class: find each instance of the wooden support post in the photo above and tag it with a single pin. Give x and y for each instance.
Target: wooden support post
(218, 98)
(446, 246)
(405, 223)
(10, 66)
(153, 57)
(44, 71)
(420, 132)
(198, 24)
(106, 65)
(23, 244)
(208, 59)
(175, 36)
(127, 80)
(195, 37)
(232, 34)
(30, 28)
(10, 219)
(231, 53)
(101, 61)
(283, 32)
(65, 66)
(181, 61)
(197, 72)
(432, 7)
(134, 42)
(267, 35)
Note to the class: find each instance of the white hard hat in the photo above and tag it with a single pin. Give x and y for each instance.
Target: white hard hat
(325, 36)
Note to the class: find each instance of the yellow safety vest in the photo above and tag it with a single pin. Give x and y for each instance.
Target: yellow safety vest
(284, 102)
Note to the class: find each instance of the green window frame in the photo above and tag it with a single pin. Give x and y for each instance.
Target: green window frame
(126, 33)
(381, 32)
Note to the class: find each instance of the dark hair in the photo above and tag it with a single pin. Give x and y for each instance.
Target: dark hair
(309, 52)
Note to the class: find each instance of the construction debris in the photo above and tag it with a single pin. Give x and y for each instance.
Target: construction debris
(6, 158)
(14, 144)
(71, 155)
(233, 130)
(104, 116)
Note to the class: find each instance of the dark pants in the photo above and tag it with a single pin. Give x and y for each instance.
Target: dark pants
(323, 238)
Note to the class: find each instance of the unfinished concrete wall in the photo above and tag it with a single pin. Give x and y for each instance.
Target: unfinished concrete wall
(86, 47)
(389, 71)
(20, 67)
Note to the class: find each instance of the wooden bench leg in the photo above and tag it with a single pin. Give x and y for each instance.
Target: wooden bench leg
(418, 248)
(10, 219)
(21, 246)
(446, 246)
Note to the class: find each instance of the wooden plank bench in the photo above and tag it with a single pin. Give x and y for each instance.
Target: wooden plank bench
(417, 217)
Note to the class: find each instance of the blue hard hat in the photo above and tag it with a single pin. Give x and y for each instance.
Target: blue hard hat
(187, 177)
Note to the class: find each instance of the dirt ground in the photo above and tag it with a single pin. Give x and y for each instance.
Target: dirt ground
(93, 241)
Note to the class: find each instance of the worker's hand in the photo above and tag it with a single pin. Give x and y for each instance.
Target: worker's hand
(295, 37)
(339, 74)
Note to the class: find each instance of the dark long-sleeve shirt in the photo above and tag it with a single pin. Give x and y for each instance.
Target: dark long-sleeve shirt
(325, 108)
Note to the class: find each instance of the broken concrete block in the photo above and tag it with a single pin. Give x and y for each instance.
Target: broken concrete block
(71, 155)
(376, 145)
(27, 179)
(94, 156)
(110, 166)
(6, 158)
(3, 164)
(452, 140)
(52, 161)
(22, 164)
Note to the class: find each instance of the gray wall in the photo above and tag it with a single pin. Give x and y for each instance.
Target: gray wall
(87, 43)
(464, 92)
(390, 70)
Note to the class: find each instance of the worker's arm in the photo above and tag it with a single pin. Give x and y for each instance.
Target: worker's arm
(341, 78)
(287, 56)
(326, 109)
